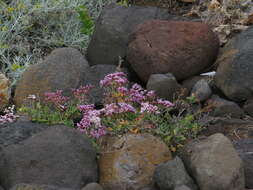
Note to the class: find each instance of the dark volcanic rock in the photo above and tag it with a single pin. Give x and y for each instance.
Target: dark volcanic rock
(235, 71)
(245, 149)
(178, 47)
(58, 156)
(214, 163)
(24, 186)
(113, 27)
(165, 86)
(201, 90)
(221, 107)
(172, 174)
(14, 133)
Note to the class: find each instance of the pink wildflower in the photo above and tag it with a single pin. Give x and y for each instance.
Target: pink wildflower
(56, 97)
(151, 95)
(91, 123)
(137, 94)
(8, 116)
(114, 108)
(123, 90)
(165, 103)
(118, 79)
(85, 108)
(81, 92)
(149, 108)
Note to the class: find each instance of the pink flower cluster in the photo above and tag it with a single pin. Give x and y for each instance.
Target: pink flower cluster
(8, 116)
(164, 103)
(91, 122)
(114, 79)
(111, 109)
(149, 108)
(56, 97)
(120, 102)
(81, 93)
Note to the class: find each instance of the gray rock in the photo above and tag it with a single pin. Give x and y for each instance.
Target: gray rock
(64, 69)
(235, 70)
(248, 107)
(201, 90)
(112, 30)
(245, 149)
(172, 174)
(92, 186)
(14, 133)
(190, 82)
(1, 188)
(58, 156)
(25, 186)
(182, 188)
(165, 86)
(214, 163)
(221, 107)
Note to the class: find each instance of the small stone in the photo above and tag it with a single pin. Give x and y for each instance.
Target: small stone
(172, 174)
(190, 82)
(165, 86)
(201, 90)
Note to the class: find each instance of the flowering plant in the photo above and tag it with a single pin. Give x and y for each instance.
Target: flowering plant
(124, 110)
(8, 115)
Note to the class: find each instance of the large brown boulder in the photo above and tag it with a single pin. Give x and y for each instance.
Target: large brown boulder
(180, 47)
(113, 27)
(129, 162)
(63, 69)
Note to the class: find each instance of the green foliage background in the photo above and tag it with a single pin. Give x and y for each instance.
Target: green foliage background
(31, 29)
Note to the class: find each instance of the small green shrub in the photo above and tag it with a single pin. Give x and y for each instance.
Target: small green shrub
(87, 23)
